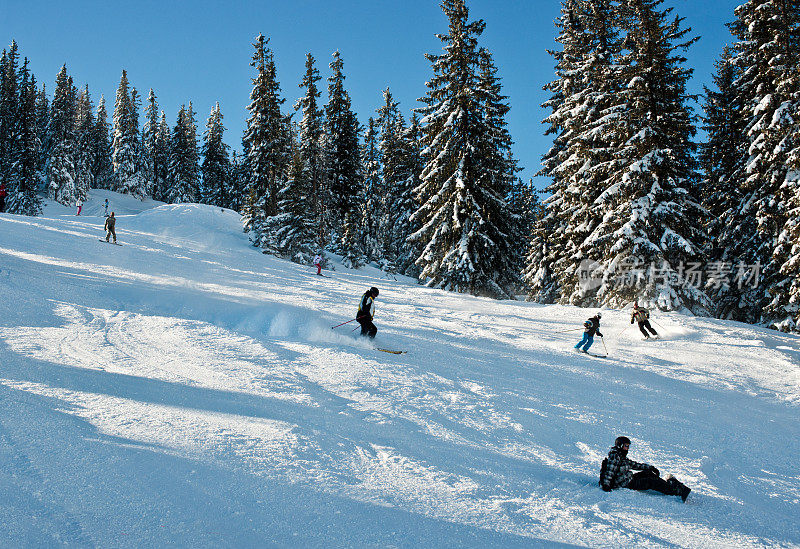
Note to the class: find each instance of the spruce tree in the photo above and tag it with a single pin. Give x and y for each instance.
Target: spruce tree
(585, 104)
(23, 197)
(61, 135)
(344, 166)
(84, 129)
(294, 231)
(183, 161)
(161, 156)
(395, 171)
(650, 236)
(266, 146)
(312, 151)
(370, 203)
(720, 156)
(125, 155)
(463, 214)
(216, 164)
(766, 58)
(103, 167)
(149, 154)
(9, 105)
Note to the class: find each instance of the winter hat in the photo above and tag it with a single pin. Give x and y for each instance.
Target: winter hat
(374, 291)
(621, 441)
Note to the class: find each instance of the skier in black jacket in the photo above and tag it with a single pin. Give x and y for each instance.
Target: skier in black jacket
(366, 311)
(591, 327)
(616, 473)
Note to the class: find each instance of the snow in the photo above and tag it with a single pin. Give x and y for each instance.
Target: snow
(185, 389)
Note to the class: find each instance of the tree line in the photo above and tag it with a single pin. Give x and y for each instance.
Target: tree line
(637, 209)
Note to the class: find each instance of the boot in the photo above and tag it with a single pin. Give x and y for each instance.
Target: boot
(678, 488)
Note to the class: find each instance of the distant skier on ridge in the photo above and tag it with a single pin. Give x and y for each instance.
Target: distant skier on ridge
(366, 311)
(615, 472)
(591, 327)
(642, 316)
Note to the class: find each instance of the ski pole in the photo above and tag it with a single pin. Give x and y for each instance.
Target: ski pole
(625, 328)
(343, 323)
(573, 330)
(660, 326)
(604, 344)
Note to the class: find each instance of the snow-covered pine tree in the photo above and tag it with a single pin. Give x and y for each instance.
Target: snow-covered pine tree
(463, 213)
(406, 203)
(216, 164)
(237, 177)
(161, 156)
(23, 197)
(584, 104)
(344, 163)
(42, 123)
(84, 135)
(310, 136)
(125, 155)
(294, 229)
(103, 167)
(766, 58)
(395, 171)
(148, 157)
(183, 161)
(721, 155)
(651, 232)
(370, 203)
(266, 145)
(9, 105)
(61, 135)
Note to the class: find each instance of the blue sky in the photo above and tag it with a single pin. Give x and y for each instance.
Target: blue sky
(200, 51)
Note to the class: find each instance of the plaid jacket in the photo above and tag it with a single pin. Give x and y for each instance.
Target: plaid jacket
(618, 469)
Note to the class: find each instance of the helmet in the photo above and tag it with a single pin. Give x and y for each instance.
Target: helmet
(622, 441)
(599, 315)
(374, 291)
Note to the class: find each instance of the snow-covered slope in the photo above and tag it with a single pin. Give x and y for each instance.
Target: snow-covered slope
(185, 389)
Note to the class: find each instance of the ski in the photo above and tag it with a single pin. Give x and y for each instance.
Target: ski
(391, 351)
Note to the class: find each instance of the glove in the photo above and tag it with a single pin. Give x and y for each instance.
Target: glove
(631, 320)
(598, 333)
(606, 488)
(654, 471)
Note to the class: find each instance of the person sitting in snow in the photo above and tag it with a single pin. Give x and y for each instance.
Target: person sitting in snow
(366, 311)
(591, 327)
(615, 472)
(317, 261)
(642, 316)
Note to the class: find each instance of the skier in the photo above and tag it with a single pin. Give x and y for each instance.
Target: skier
(366, 310)
(642, 316)
(591, 327)
(615, 472)
(109, 227)
(317, 261)
(3, 194)
(106, 208)
(79, 204)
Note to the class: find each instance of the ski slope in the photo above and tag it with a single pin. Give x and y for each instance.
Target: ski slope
(185, 389)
